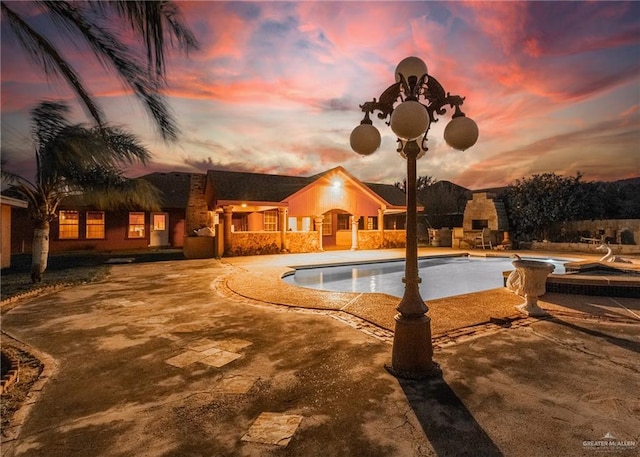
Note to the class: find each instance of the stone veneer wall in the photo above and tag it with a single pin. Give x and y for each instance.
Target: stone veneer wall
(619, 231)
(369, 239)
(254, 243)
(394, 239)
(197, 213)
(298, 242)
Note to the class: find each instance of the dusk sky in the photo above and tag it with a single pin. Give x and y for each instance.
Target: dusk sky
(275, 88)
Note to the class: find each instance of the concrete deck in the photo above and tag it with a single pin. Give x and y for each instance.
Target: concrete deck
(200, 357)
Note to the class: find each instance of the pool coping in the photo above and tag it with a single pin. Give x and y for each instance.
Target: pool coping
(260, 280)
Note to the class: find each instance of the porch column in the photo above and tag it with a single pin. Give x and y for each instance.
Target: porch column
(381, 227)
(354, 232)
(228, 221)
(318, 222)
(282, 220)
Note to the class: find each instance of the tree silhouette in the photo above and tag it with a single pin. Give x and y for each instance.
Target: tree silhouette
(76, 160)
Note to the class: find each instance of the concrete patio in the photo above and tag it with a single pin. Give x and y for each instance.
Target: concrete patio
(208, 357)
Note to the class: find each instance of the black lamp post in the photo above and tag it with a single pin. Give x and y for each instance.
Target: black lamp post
(412, 103)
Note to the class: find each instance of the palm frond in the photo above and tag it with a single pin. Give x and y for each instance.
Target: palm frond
(45, 54)
(83, 21)
(113, 54)
(11, 178)
(48, 118)
(107, 188)
(148, 19)
(76, 148)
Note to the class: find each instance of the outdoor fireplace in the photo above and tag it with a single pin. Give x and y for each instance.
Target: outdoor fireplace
(484, 211)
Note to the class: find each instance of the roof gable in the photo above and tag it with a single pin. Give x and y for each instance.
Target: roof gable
(232, 186)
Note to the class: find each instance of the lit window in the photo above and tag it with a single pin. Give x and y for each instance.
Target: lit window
(136, 225)
(372, 223)
(68, 223)
(305, 224)
(293, 224)
(271, 221)
(159, 222)
(95, 225)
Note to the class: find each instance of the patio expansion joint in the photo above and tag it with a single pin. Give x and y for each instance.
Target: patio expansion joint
(350, 302)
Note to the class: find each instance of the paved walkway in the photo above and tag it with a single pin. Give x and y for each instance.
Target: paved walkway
(191, 358)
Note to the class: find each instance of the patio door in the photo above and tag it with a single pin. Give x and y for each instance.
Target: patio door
(159, 235)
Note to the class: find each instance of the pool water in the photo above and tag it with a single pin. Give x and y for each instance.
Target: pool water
(441, 276)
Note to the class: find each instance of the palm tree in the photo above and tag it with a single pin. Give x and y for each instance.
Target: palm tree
(92, 22)
(76, 160)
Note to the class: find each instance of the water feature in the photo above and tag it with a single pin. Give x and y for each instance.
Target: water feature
(441, 276)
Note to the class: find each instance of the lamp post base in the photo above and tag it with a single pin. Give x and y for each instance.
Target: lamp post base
(412, 353)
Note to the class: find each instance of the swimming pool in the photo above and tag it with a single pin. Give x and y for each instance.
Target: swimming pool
(441, 276)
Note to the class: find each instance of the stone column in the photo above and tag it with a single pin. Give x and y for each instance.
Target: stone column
(318, 222)
(354, 232)
(282, 220)
(228, 220)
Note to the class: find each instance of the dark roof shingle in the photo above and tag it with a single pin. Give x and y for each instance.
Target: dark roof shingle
(174, 188)
(233, 185)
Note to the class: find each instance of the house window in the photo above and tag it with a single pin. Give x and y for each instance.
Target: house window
(159, 222)
(292, 224)
(326, 224)
(305, 224)
(136, 225)
(69, 222)
(372, 223)
(95, 225)
(240, 223)
(344, 221)
(270, 222)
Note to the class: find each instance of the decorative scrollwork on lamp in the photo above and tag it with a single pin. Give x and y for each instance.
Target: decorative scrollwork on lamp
(411, 104)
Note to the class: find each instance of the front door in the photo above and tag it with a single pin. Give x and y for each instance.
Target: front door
(159, 235)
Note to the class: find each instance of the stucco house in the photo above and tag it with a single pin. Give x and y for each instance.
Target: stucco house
(249, 213)
(258, 213)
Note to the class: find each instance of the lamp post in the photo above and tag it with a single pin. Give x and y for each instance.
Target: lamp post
(412, 104)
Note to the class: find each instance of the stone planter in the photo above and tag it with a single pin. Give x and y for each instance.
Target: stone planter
(529, 280)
